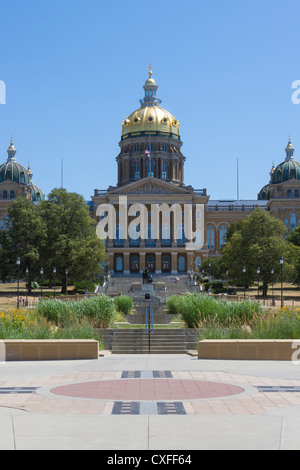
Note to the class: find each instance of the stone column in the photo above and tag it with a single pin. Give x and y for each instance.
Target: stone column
(174, 269)
(126, 263)
(158, 263)
(190, 262)
(142, 261)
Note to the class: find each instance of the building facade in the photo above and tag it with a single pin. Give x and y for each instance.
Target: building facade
(150, 169)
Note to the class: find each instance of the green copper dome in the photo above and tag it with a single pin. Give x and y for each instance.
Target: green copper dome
(264, 193)
(287, 170)
(37, 194)
(12, 170)
(15, 172)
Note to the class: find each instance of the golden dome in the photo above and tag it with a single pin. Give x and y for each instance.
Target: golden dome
(153, 119)
(150, 118)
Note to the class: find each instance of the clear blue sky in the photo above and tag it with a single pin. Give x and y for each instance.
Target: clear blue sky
(74, 70)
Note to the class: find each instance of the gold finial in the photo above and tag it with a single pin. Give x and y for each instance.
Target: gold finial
(150, 73)
(11, 144)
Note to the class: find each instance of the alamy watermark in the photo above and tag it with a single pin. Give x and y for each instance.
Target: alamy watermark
(2, 92)
(135, 222)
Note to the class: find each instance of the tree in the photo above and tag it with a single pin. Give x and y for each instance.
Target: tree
(25, 238)
(294, 240)
(72, 243)
(258, 241)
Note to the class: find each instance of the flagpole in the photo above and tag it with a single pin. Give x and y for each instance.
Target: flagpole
(150, 156)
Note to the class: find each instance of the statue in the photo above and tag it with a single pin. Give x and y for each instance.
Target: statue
(147, 278)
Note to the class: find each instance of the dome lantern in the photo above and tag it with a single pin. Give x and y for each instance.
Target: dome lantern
(289, 151)
(11, 152)
(150, 88)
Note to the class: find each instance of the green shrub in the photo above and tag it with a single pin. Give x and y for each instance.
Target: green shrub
(199, 309)
(123, 304)
(100, 307)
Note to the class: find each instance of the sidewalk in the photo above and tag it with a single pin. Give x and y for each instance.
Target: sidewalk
(149, 402)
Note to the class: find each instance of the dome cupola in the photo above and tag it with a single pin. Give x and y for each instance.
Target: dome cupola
(12, 170)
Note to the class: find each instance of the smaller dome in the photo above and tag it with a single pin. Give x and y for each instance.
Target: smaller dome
(264, 193)
(285, 171)
(37, 194)
(13, 171)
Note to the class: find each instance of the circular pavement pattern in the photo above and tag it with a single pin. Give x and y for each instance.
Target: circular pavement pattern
(148, 389)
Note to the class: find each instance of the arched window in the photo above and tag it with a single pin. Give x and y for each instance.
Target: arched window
(222, 236)
(22, 177)
(136, 170)
(164, 170)
(150, 262)
(210, 237)
(293, 222)
(134, 264)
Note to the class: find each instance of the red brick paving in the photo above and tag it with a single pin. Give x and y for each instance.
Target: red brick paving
(148, 389)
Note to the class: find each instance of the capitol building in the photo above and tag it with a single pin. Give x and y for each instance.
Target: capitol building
(150, 173)
(150, 169)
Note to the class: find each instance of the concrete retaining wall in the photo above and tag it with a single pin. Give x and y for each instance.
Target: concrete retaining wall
(268, 350)
(48, 350)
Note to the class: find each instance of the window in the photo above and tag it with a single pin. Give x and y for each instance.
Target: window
(165, 235)
(164, 148)
(4, 195)
(181, 264)
(296, 193)
(210, 237)
(22, 177)
(134, 238)
(150, 147)
(198, 262)
(222, 235)
(289, 193)
(164, 171)
(150, 235)
(12, 194)
(136, 170)
(136, 148)
(1, 224)
(180, 235)
(119, 264)
(150, 166)
(119, 241)
(293, 221)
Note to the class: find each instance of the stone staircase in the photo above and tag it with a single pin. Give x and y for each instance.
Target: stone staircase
(162, 341)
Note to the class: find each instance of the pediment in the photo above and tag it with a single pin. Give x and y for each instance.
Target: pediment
(151, 185)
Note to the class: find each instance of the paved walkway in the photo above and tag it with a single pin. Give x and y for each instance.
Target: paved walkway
(144, 402)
